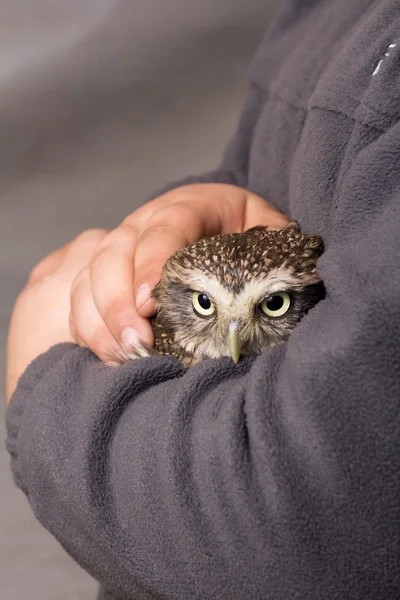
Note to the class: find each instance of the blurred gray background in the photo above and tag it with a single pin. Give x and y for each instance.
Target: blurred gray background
(101, 102)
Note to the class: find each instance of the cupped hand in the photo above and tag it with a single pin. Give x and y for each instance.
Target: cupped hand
(40, 315)
(111, 297)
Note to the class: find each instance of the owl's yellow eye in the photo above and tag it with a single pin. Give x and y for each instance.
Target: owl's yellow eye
(276, 305)
(202, 304)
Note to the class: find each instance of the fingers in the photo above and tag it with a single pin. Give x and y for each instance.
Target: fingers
(259, 212)
(112, 287)
(79, 250)
(164, 233)
(86, 324)
(223, 208)
(48, 265)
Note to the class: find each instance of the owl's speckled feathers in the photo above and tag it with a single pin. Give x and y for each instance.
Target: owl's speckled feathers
(239, 278)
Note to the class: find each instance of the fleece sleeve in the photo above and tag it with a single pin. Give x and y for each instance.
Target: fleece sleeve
(277, 478)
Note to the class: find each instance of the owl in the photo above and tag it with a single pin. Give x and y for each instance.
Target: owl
(235, 294)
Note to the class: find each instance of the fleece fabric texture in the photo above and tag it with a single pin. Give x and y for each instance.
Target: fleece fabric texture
(277, 478)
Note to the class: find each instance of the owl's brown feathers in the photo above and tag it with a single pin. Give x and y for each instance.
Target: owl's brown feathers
(238, 274)
(237, 258)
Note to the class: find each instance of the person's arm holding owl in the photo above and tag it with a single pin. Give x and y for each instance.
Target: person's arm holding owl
(278, 477)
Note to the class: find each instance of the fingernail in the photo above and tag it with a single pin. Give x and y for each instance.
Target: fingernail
(129, 338)
(142, 295)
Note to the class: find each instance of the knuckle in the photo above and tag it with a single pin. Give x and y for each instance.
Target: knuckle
(125, 231)
(119, 242)
(100, 342)
(34, 275)
(112, 314)
(78, 300)
(92, 234)
(154, 231)
(181, 205)
(79, 281)
(101, 255)
(21, 298)
(40, 270)
(82, 326)
(72, 327)
(168, 214)
(171, 221)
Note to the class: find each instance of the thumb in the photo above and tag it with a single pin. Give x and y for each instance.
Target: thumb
(260, 212)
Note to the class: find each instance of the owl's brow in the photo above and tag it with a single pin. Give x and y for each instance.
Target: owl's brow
(211, 286)
(279, 279)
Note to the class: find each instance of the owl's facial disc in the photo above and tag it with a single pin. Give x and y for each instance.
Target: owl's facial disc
(236, 294)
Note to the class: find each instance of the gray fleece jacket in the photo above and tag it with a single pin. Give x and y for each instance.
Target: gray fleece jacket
(277, 478)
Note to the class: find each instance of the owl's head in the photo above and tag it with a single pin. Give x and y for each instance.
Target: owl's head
(239, 293)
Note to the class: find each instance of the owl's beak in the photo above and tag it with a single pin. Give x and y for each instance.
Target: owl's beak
(235, 344)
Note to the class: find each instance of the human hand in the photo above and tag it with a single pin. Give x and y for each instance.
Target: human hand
(110, 300)
(40, 315)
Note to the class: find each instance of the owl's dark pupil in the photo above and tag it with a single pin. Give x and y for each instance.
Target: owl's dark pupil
(204, 301)
(274, 303)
